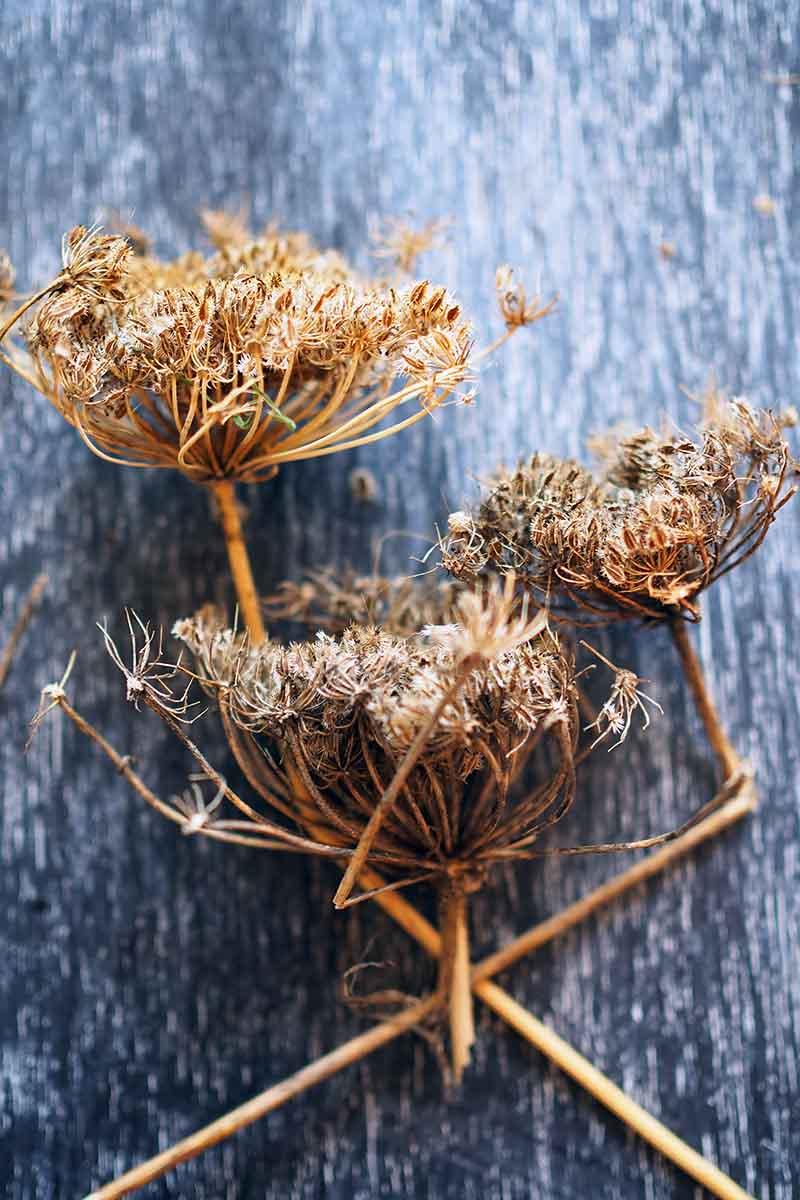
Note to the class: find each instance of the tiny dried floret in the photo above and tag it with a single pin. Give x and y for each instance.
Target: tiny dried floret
(403, 243)
(516, 308)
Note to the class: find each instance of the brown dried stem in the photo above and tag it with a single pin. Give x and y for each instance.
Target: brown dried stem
(241, 570)
(727, 757)
(20, 625)
(545, 1040)
(454, 974)
(322, 1068)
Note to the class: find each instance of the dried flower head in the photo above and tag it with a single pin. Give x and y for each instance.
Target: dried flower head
(333, 600)
(516, 308)
(663, 518)
(404, 752)
(226, 367)
(324, 728)
(403, 244)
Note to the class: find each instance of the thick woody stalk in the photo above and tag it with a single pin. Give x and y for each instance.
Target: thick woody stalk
(454, 976)
(241, 571)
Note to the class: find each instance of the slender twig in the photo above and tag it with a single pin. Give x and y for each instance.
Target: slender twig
(730, 762)
(322, 1068)
(239, 560)
(23, 620)
(741, 801)
(609, 1095)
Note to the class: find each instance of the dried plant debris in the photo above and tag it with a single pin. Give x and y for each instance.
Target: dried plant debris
(402, 243)
(333, 600)
(29, 605)
(662, 517)
(267, 351)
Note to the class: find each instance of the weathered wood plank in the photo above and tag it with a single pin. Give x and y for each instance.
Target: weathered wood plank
(147, 982)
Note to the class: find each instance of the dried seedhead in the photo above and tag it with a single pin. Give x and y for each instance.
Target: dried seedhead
(516, 308)
(322, 727)
(441, 720)
(662, 519)
(403, 244)
(226, 367)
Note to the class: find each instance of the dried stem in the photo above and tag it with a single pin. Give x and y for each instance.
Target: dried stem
(23, 620)
(454, 975)
(531, 1029)
(241, 571)
(322, 1068)
(729, 761)
(609, 1095)
(741, 801)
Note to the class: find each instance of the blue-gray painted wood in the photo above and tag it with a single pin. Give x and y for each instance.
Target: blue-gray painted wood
(149, 981)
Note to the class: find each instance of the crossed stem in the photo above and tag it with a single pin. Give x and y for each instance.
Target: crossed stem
(741, 801)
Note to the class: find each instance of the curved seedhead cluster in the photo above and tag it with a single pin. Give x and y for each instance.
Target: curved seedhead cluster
(661, 519)
(321, 728)
(225, 367)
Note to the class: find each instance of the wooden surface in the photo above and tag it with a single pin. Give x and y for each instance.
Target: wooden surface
(148, 981)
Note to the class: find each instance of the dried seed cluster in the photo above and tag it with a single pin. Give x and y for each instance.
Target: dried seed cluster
(662, 518)
(267, 351)
(320, 728)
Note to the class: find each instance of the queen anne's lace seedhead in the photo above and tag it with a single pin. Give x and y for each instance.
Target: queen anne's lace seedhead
(662, 519)
(320, 728)
(267, 351)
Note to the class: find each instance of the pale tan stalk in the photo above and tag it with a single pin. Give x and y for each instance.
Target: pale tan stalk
(730, 762)
(454, 976)
(610, 1096)
(322, 1068)
(20, 625)
(241, 571)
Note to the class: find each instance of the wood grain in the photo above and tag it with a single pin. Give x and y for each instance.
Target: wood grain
(148, 981)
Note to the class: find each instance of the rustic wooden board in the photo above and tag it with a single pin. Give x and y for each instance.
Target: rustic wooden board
(148, 981)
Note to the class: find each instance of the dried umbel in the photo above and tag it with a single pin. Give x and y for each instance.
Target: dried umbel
(322, 728)
(429, 756)
(663, 518)
(333, 600)
(226, 367)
